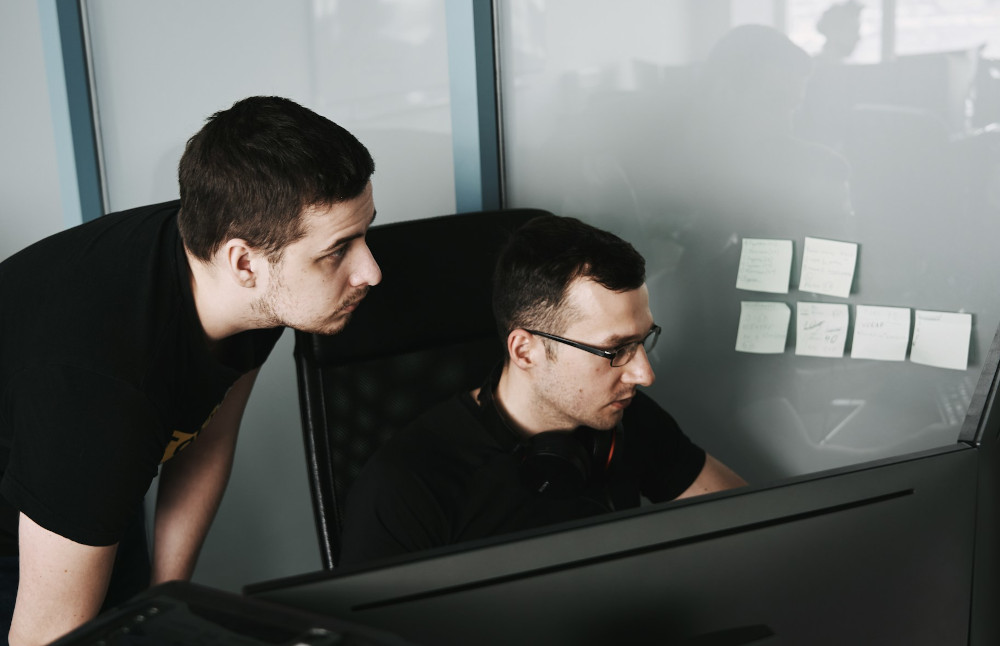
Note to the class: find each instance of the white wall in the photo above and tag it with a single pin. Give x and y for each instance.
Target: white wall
(30, 205)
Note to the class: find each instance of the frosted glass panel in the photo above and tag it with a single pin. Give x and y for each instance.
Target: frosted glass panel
(379, 69)
(709, 149)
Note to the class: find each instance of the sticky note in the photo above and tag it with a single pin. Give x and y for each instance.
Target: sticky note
(881, 333)
(763, 327)
(828, 267)
(821, 329)
(941, 339)
(765, 265)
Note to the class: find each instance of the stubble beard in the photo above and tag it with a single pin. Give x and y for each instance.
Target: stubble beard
(264, 310)
(340, 315)
(266, 313)
(565, 411)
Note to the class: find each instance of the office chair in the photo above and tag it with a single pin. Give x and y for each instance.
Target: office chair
(425, 333)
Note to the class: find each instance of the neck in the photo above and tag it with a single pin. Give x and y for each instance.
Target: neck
(221, 311)
(517, 401)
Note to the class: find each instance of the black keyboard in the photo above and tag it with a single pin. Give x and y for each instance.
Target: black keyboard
(187, 614)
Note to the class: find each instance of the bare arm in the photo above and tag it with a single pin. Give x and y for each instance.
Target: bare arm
(62, 584)
(714, 476)
(191, 488)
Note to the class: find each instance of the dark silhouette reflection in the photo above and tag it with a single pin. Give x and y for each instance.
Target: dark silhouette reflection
(742, 172)
(840, 26)
(831, 93)
(776, 145)
(744, 164)
(978, 153)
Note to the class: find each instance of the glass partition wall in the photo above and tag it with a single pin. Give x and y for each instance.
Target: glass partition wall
(816, 209)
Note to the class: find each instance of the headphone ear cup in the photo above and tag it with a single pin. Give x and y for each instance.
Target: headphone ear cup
(561, 464)
(555, 463)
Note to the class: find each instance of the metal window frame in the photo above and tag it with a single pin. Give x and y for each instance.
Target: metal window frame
(74, 112)
(475, 106)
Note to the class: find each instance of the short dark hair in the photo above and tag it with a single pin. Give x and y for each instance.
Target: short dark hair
(540, 261)
(252, 169)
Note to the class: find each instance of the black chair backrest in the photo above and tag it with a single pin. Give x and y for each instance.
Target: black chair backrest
(425, 333)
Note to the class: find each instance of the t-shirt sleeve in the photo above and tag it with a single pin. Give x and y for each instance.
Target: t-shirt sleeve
(84, 450)
(667, 460)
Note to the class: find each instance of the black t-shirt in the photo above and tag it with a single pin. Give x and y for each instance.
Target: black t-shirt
(451, 477)
(105, 372)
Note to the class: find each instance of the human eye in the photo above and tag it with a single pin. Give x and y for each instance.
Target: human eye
(335, 254)
(624, 352)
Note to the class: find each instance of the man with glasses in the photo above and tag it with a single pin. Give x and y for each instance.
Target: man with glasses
(559, 431)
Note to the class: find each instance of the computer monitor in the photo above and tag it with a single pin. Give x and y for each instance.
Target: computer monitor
(874, 555)
(897, 551)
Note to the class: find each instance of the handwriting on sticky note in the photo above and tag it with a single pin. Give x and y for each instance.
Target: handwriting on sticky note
(828, 267)
(821, 329)
(881, 333)
(941, 339)
(765, 265)
(763, 327)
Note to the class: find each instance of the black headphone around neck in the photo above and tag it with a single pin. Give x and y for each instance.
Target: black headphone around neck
(553, 463)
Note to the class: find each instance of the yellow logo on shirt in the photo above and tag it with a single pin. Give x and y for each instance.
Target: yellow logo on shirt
(181, 440)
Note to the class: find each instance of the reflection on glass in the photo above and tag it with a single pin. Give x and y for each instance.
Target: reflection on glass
(692, 132)
(845, 31)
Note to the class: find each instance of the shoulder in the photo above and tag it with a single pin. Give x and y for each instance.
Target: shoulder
(454, 420)
(652, 433)
(95, 272)
(438, 451)
(400, 501)
(98, 303)
(666, 459)
(96, 229)
(443, 430)
(645, 414)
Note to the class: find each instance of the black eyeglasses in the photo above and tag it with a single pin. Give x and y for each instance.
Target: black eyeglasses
(620, 355)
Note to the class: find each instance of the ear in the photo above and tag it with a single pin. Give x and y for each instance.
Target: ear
(241, 262)
(523, 348)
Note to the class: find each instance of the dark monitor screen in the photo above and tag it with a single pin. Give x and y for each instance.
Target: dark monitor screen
(879, 554)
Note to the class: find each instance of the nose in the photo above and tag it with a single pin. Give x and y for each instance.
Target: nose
(639, 371)
(366, 271)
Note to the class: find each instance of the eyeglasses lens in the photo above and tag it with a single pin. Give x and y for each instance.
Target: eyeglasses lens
(650, 341)
(626, 352)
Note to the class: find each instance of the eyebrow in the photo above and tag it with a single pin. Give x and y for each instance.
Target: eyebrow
(619, 340)
(340, 242)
